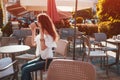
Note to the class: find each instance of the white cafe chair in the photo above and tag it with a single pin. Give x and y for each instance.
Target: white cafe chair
(8, 69)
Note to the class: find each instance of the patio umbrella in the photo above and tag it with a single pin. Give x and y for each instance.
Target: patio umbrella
(76, 4)
(52, 10)
(62, 5)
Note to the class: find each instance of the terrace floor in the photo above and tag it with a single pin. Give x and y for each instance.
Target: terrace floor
(101, 73)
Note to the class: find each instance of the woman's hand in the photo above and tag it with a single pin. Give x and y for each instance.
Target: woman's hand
(41, 31)
(32, 26)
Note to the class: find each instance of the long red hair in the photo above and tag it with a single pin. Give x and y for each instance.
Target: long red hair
(47, 24)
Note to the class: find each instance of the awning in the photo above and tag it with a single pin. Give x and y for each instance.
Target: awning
(16, 9)
(62, 5)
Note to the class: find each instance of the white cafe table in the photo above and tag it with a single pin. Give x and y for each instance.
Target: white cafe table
(13, 49)
(116, 42)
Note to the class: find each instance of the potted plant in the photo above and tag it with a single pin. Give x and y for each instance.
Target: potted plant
(7, 29)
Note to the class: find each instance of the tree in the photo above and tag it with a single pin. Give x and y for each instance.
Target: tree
(85, 13)
(1, 15)
(108, 10)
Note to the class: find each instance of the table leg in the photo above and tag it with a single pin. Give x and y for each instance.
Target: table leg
(15, 66)
(13, 56)
(117, 58)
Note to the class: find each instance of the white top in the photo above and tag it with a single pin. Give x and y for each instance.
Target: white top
(48, 52)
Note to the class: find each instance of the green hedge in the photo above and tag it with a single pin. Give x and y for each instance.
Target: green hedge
(110, 27)
(89, 29)
(62, 24)
(79, 20)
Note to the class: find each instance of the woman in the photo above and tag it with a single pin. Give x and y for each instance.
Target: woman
(44, 42)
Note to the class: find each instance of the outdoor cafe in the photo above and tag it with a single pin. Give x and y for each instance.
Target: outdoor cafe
(85, 48)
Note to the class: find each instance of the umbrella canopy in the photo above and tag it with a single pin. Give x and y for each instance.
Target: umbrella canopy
(16, 9)
(62, 5)
(52, 10)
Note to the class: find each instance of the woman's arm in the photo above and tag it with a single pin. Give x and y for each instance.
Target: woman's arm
(42, 40)
(33, 29)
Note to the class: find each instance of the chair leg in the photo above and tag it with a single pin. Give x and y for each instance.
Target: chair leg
(83, 56)
(107, 66)
(35, 75)
(101, 64)
(41, 75)
(16, 76)
(105, 61)
(32, 74)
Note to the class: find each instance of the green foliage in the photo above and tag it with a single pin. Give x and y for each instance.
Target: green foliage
(104, 27)
(1, 18)
(110, 28)
(0, 5)
(89, 29)
(62, 24)
(79, 19)
(85, 13)
(108, 10)
(7, 29)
